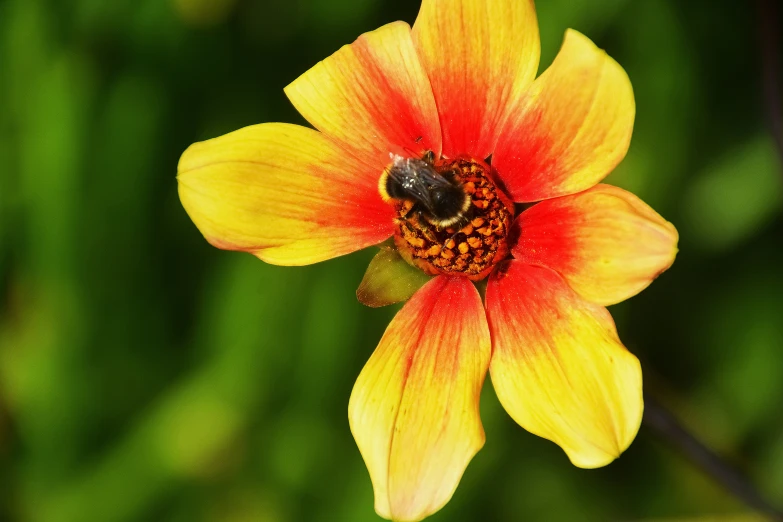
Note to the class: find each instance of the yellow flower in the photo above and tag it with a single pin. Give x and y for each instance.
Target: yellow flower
(453, 103)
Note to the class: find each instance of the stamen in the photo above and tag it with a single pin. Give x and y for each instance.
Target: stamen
(473, 245)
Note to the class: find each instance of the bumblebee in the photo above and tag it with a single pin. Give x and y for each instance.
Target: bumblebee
(437, 198)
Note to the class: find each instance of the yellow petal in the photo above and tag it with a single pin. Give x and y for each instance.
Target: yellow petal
(372, 96)
(414, 408)
(607, 243)
(558, 367)
(480, 55)
(572, 128)
(285, 193)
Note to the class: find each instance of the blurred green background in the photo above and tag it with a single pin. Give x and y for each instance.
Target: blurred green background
(146, 376)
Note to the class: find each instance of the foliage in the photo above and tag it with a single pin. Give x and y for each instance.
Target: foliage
(146, 376)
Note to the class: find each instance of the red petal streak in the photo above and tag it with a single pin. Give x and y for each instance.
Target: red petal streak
(372, 97)
(414, 408)
(558, 367)
(607, 243)
(571, 128)
(285, 193)
(480, 56)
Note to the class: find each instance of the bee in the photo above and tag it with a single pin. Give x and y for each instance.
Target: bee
(437, 198)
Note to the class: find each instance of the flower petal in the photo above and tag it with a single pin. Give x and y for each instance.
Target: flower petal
(389, 279)
(607, 243)
(572, 129)
(414, 409)
(282, 192)
(558, 367)
(479, 55)
(372, 96)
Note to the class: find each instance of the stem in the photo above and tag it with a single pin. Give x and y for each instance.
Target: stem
(769, 40)
(663, 422)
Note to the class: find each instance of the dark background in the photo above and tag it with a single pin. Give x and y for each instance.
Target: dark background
(146, 376)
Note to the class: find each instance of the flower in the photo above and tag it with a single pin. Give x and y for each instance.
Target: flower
(461, 84)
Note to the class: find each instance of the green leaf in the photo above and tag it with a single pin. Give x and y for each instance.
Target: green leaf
(389, 279)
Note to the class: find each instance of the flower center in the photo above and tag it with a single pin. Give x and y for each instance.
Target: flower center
(462, 233)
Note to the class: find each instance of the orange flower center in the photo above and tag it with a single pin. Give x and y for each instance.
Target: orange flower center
(469, 243)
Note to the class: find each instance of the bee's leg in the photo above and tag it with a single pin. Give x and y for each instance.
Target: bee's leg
(458, 227)
(407, 208)
(429, 157)
(425, 226)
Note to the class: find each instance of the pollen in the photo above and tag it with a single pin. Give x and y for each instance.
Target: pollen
(473, 245)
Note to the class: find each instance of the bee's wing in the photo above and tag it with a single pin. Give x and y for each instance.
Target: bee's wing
(431, 180)
(416, 182)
